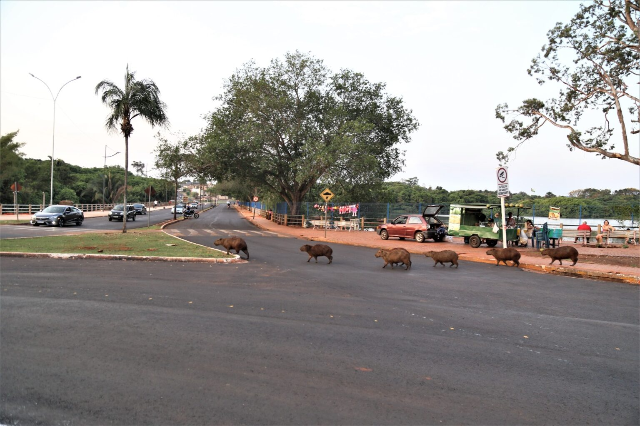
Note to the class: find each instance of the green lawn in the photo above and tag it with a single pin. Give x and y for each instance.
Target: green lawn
(14, 222)
(133, 243)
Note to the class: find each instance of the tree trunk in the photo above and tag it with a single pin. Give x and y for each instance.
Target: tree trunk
(126, 172)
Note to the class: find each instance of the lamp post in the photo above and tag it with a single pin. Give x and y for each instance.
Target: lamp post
(104, 169)
(53, 139)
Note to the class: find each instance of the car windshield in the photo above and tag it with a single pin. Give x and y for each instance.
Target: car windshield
(118, 207)
(138, 205)
(54, 209)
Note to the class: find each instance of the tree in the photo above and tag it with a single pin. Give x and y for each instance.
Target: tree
(595, 58)
(173, 160)
(294, 123)
(139, 167)
(138, 98)
(11, 165)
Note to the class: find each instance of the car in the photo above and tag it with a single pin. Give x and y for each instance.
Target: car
(58, 215)
(177, 209)
(140, 208)
(117, 212)
(416, 226)
(194, 205)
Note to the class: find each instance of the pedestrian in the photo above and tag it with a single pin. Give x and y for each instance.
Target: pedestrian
(587, 229)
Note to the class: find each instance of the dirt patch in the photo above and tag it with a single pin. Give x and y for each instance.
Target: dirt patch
(152, 249)
(87, 248)
(629, 261)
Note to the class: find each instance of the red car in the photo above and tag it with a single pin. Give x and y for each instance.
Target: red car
(416, 226)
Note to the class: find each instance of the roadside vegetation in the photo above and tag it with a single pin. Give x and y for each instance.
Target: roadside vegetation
(133, 243)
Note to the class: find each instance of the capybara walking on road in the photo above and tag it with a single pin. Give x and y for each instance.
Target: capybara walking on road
(318, 250)
(443, 256)
(397, 255)
(504, 254)
(560, 253)
(235, 243)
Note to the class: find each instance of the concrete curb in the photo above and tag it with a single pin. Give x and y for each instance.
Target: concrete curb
(121, 257)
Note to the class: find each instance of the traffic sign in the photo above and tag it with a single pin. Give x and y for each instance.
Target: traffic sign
(255, 199)
(326, 195)
(13, 187)
(503, 182)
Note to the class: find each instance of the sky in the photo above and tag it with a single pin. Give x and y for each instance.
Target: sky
(452, 63)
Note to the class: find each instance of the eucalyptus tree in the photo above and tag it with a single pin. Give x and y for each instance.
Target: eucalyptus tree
(595, 59)
(11, 165)
(138, 98)
(173, 159)
(294, 123)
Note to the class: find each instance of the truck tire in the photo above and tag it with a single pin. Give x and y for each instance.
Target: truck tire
(475, 241)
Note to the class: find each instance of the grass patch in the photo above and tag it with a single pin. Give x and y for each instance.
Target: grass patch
(133, 243)
(14, 222)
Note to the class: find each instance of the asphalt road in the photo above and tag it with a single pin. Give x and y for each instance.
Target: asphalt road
(278, 340)
(89, 224)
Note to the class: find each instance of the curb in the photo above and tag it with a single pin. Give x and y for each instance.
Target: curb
(121, 257)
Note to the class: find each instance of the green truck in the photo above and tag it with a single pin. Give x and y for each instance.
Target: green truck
(473, 221)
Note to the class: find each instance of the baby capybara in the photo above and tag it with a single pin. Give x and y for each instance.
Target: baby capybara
(235, 243)
(443, 256)
(393, 256)
(318, 250)
(504, 254)
(560, 253)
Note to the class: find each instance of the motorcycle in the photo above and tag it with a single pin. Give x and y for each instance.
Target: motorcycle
(190, 213)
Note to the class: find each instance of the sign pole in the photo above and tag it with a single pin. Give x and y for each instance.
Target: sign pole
(326, 208)
(504, 224)
(15, 198)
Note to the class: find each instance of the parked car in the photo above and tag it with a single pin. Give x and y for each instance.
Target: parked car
(416, 226)
(58, 215)
(179, 208)
(117, 213)
(140, 208)
(194, 205)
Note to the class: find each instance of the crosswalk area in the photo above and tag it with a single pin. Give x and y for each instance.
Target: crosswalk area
(221, 233)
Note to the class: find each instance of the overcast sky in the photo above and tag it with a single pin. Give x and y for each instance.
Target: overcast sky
(451, 62)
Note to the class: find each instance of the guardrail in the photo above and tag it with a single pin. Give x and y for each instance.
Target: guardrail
(34, 208)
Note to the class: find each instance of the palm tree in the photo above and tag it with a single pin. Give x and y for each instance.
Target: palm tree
(139, 98)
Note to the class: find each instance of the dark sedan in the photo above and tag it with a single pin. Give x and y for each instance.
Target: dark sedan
(58, 215)
(140, 208)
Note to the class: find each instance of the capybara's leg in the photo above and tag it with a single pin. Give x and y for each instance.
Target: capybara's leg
(574, 261)
(309, 258)
(553, 260)
(408, 265)
(316, 258)
(515, 263)
(246, 252)
(330, 259)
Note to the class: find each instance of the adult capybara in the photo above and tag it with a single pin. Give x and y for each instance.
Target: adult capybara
(318, 250)
(443, 256)
(504, 254)
(393, 256)
(560, 253)
(235, 243)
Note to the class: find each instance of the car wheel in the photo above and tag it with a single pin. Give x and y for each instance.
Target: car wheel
(36, 224)
(78, 223)
(492, 243)
(420, 237)
(109, 218)
(60, 222)
(134, 218)
(475, 241)
(384, 234)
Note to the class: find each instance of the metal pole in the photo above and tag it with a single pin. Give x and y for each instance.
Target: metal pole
(504, 224)
(326, 207)
(53, 138)
(15, 198)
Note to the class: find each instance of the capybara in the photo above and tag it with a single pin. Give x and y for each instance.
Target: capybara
(394, 256)
(318, 250)
(504, 254)
(560, 253)
(235, 243)
(443, 256)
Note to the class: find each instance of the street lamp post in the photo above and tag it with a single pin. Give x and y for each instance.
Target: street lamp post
(53, 139)
(104, 169)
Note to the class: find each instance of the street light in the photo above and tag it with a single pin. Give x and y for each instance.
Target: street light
(104, 169)
(54, 127)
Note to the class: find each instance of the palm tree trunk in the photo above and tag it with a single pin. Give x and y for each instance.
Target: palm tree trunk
(126, 172)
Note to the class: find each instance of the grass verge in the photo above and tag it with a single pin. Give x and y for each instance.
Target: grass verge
(133, 243)
(14, 222)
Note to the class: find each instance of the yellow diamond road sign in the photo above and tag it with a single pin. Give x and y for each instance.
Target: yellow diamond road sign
(326, 194)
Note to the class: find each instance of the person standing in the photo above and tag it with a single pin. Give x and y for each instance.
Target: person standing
(587, 229)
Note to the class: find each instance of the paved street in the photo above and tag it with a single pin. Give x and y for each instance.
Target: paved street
(278, 340)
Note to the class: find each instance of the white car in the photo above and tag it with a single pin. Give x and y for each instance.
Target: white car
(194, 204)
(179, 208)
